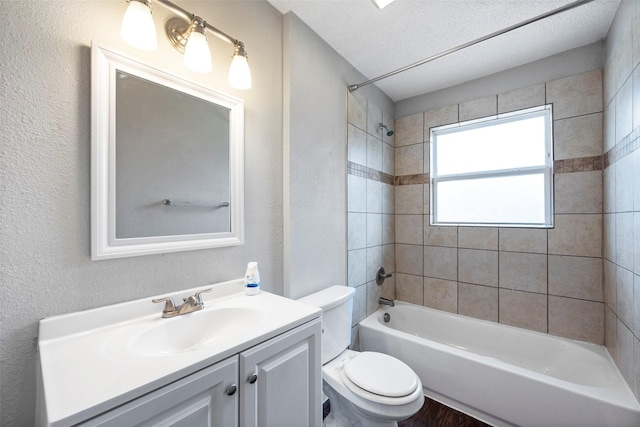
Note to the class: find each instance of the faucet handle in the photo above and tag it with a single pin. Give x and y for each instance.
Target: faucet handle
(169, 306)
(197, 295)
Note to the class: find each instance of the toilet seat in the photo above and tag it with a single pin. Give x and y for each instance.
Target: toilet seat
(380, 378)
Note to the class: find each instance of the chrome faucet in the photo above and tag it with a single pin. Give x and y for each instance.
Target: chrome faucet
(189, 305)
(385, 301)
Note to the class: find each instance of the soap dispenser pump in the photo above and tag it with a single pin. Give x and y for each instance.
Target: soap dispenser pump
(252, 279)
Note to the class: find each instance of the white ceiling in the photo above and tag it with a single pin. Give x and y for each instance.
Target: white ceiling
(377, 41)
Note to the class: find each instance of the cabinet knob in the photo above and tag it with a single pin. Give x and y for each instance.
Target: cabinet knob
(231, 390)
(253, 378)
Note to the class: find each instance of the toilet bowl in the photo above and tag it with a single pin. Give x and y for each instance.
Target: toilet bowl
(365, 389)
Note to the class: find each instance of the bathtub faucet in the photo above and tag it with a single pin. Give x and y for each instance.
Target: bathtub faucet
(385, 301)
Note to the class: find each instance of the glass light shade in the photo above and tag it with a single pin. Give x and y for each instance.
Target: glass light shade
(380, 4)
(138, 28)
(239, 73)
(197, 56)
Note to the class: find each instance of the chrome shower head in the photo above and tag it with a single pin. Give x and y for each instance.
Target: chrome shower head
(389, 131)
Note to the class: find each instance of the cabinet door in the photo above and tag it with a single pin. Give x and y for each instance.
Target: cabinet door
(203, 399)
(280, 380)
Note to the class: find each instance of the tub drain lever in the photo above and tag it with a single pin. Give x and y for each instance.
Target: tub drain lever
(381, 276)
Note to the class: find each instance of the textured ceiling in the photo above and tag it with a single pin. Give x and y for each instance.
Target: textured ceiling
(377, 41)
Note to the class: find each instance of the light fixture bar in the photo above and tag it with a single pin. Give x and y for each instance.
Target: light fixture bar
(473, 42)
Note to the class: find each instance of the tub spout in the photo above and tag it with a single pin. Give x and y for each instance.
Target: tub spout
(385, 301)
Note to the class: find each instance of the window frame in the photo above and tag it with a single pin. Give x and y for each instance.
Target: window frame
(545, 111)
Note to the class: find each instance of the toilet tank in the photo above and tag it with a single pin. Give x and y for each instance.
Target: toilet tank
(336, 303)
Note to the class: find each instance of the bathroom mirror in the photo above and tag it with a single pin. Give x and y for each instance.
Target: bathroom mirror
(167, 160)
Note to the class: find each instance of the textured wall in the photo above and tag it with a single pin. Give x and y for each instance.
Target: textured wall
(621, 237)
(45, 265)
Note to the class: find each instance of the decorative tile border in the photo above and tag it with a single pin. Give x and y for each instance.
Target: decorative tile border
(421, 178)
(582, 164)
(369, 173)
(628, 145)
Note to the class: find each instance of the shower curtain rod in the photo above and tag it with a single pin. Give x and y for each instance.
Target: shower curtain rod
(473, 42)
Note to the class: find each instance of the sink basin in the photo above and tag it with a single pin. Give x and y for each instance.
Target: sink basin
(192, 331)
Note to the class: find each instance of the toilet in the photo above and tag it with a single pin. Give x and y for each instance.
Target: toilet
(364, 388)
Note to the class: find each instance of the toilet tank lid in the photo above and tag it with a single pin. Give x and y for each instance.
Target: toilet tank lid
(329, 297)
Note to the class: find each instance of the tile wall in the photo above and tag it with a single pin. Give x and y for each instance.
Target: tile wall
(370, 205)
(547, 280)
(621, 238)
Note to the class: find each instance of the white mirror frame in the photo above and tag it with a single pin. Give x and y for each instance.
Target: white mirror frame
(104, 244)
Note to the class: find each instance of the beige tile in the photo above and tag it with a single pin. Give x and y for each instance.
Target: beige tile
(576, 319)
(357, 231)
(409, 259)
(624, 342)
(478, 238)
(374, 153)
(620, 60)
(635, 42)
(636, 176)
(374, 261)
(374, 230)
(409, 288)
(576, 277)
(519, 99)
(356, 267)
(427, 200)
(409, 130)
(389, 288)
(389, 121)
(357, 145)
(359, 305)
(439, 117)
(437, 235)
(388, 159)
(636, 305)
(408, 229)
(357, 194)
(523, 309)
(357, 110)
(523, 240)
(374, 118)
(388, 198)
(480, 302)
(441, 294)
(478, 267)
(374, 292)
(374, 196)
(409, 160)
(624, 110)
(609, 127)
(636, 357)
(610, 326)
(609, 189)
(624, 184)
(409, 199)
(523, 272)
(482, 107)
(577, 137)
(579, 192)
(636, 243)
(388, 229)
(624, 240)
(624, 296)
(579, 235)
(636, 96)
(576, 95)
(610, 284)
(440, 262)
(609, 237)
(388, 259)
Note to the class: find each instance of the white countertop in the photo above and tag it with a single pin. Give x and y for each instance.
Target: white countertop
(87, 366)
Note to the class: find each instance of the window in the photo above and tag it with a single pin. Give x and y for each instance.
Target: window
(495, 171)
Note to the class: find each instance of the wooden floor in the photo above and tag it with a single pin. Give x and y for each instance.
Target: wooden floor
(434, 414)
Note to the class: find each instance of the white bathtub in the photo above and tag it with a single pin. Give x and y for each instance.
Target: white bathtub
(502, 375)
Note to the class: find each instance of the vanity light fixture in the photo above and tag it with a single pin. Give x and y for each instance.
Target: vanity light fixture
(381, 3)
(186, 33)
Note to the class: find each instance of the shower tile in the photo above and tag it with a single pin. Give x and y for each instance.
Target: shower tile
(374, 292)
(576, 277)
(374, 230)
(439, 117)
(523, 272)
(409, 130)
(388, 159)
(482, 107)
(388, 121)
(636, 242)
(357, 145)
(636, 304)
(388, 258)
(624, 110)
(523, 309)
(576, 319)
(636, 365)
(624, 240)
(609, 130)
(374, 196)
(427, 201)
(357, 231)
(409, 160)
(636, 95)
(609, 237)
(374, 118)
(409, 229)
(609, 189)
(523, 240)
(441, 294)
(624, 342)
(579, 192)
(409, 199)
(577, 137)
(357, 110)
(478, 238)
(440, 262)
(374, 153)
(610, 327)
(576, 95)
(636, 176)
(437, 235)
(389, 288)
(388, 198)
(480, 302)
(388, 229)
(359, 305)
(624, 295)
(357, 267)
(478, 267)
(635, 43)
(624, 184)
(579, 235)
(409, 259)
(610, 284)
(374, 261)
(620, 60)
(519, 99)
(357, 197)
(409, 288)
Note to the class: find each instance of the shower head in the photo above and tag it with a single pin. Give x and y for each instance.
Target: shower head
(389, 131)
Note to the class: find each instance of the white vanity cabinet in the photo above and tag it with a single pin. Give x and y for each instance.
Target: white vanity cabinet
(274, 384)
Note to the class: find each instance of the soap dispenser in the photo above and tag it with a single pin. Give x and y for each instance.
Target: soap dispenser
(252, 279)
